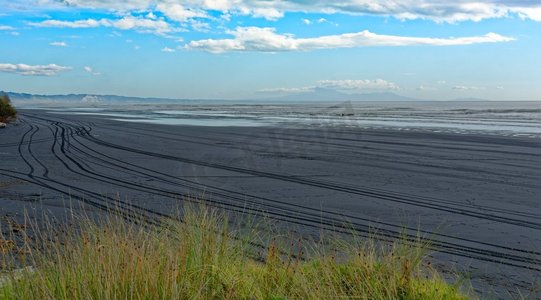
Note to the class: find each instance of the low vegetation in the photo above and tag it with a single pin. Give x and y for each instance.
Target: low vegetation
(205, 257)
(7, 111)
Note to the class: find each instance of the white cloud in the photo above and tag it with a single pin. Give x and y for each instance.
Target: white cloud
(91, 71)
(345, 85)
(358, 84)
(167, 49)
(199, 26)
(58, 44)
(88, 23)
(159, 27)
(467, 88)
(143, 25)
(322, 20)
(426, 88)
(267, 40)
(177, 12)
(436, 10)
(293, 90)
(269, 13)
(33, 70)
(9, 28)
(124, 5)
(533, 13)
(306, 21)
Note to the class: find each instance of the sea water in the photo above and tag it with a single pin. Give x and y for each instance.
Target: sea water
(515, 118)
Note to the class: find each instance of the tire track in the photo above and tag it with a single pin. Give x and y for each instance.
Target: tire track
(304, 219)
(69, 133)
(381, 195)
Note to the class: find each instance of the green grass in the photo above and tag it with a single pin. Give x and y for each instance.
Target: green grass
(205, 257)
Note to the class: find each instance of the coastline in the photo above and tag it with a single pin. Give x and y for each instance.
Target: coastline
(474, 195)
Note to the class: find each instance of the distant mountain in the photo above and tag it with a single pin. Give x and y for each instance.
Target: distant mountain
(323, 94)
(87, 99)
(318, 94)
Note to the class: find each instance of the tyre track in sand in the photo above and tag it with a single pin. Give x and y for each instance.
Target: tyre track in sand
(197, 140)
(306, 214)
(87, 197)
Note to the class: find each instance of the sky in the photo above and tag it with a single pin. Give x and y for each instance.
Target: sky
(251, 49)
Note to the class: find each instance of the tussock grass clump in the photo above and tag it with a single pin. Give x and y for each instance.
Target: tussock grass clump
(7, 111)
(205, 257)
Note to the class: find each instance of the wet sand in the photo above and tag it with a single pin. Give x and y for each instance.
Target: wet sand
(478, 197)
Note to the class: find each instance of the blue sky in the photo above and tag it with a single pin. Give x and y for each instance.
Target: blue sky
(232, 49)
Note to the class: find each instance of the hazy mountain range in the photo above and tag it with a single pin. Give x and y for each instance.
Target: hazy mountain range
(318, 94)
(89, 99)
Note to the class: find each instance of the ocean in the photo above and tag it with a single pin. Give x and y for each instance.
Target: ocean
(509, 118)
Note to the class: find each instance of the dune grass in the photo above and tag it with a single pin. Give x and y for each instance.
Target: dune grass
(205, 257)
(7, 111)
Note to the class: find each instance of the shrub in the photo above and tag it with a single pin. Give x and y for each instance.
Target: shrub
(7, 111)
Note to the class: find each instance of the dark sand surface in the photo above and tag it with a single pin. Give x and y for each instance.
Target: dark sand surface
(479, 196)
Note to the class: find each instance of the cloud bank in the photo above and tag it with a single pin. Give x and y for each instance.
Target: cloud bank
(435, 10)
(257, 39)
(140, 24)
(345, 85)
(33, 70)
(58, 44)
(358, 84)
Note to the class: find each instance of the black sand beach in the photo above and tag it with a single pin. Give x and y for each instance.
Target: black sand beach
(478, 197)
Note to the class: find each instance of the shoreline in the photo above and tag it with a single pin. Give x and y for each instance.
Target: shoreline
(480, 189)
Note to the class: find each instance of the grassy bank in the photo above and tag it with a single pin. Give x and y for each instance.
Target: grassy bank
(205, 257)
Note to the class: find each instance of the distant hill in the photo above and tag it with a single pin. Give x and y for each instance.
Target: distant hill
(323, 94)
(318, 94)
(88, 99)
